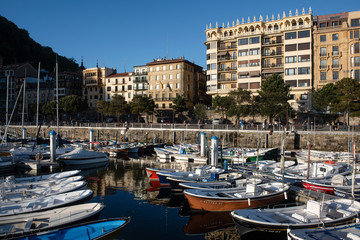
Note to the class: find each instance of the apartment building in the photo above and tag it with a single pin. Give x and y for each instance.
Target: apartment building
(245, 54)
(70, 83)
(119, 84)
(336, 47)
(94, 84)
(169, 78)
(140, 83)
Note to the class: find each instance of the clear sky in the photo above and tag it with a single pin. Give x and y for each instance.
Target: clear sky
(122, 34)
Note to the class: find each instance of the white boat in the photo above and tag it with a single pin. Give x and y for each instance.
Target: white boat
(10, 186)
(321, 156)
(317, 171)
(351, 231)
(45, 203)
(220, 185)
(25, 224)
(30, 194)
(47, 177)
(81, 156)
(311, 215)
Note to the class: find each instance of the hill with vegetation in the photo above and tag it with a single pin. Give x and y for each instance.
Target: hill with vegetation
(16, 46)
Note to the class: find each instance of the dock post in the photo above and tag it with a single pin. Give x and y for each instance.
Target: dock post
(202, 144)
(214, 151)
(174, 137)
(91, 139)
(24, 135)
(52, 146)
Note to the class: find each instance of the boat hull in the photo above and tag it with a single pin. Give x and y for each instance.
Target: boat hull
(151, 174)
(320, 188)
(69, 162)
(211, 204)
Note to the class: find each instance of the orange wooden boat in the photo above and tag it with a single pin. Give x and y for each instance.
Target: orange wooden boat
(252, 196)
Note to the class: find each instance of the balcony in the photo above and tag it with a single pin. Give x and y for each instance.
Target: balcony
(273, 65)
(227, 59)
(322, 66)
(141, 73)
(227, 69)
(163, 99)
(227, 80)
(272, 54)
(140, 81)
(323, 54)
(91, 82)
(227, 47)
(273, 42)
(140, 88)
(336, 54)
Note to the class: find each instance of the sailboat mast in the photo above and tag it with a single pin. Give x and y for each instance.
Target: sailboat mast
(353, 174)
(57, 98)
(38, 98)
(23, 105)
(7, 98)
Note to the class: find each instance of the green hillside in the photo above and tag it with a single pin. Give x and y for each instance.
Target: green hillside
(16, 46)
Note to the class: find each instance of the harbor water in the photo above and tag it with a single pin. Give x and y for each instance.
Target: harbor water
(156, 213)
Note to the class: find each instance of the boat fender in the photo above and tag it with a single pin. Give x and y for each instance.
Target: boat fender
(249, 201)
(330, 162)
(39, 156)
(285, 195)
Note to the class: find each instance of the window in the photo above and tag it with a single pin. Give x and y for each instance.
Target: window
(178, 85)
(322, 75)
(304, 58)
(290, 47)
(290, 59)
(157, 68)
(304, 83)
(164, 77)
(322, 38)
(150, 87)
(157, 86)
(129, 87)
(243, 64)
(150, 69)
(335, 37)
(170, 86)
(303, 34)
(164, 68)
(243, 41)
(335, 50)
(292, 83)
(170, 76)
(254, 51)
(355, 22)
(357, 63)
(334, 24)
(322, 63)
(356, 48)
(170, 67)
(178, 66)
(303, 46)
(290, 71)
(322, 25)
(108, 89)
(276, 27)
(266, 40)
(335, 63)
(157, 77)
(356, 77)
(129, 95)
(243, 53)
(356, 34)
(303, 97)
(254, 63)
(335, 75)
(303, 70)
(291, 35)
(254, 40)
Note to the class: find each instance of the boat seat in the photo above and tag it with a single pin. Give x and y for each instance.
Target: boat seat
(289, 218)
(28, 224)
(301, 217)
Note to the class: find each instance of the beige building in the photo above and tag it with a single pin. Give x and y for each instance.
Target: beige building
(244, 54)
(140, 83)
(169, 78)
(119, 84)
(94, 84)
(336, 47)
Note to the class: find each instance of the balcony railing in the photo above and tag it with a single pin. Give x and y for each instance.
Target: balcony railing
(228, 79)
(227, 58)
(227, 47)
(273, 42)
(323, 54)
(140, 80)
(322, 66)
(164, 99)
(141, 73)
(227, 69)
(278, 65)
(273, 53)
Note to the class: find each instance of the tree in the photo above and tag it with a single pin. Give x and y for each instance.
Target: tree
(347, 97)
(142, 104)
(273, 97)
(240, 104)
(200, 111)
(324, 97)
(179, 104)
(72, 105)
(222, 104)
(118, 106)
(102, 107)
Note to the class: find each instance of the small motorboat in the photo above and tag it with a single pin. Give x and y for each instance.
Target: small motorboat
(313, 214)
(253, 196)
(47, 177)
(89, 230)
(81, 156)
(22, 225)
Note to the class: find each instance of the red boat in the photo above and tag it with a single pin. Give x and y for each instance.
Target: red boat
(151, 173)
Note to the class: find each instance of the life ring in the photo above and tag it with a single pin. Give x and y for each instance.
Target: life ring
(39, 156)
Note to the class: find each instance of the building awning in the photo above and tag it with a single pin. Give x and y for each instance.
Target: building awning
(243, 62)
(222, 53)
(243, 73)
(275, 70)
(254, 73)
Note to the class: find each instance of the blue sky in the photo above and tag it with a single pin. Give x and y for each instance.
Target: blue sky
(122, 34)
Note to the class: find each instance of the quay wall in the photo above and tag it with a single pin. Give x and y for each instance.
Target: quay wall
(320, 140)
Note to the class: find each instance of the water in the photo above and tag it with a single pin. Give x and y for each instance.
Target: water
(124, 188)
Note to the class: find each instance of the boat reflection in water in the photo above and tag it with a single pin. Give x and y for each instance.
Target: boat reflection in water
(207, 222)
